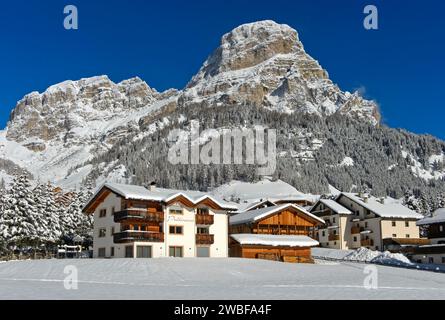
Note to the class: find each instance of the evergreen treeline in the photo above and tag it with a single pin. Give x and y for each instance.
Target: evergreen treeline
(34, 218)
(379, 164)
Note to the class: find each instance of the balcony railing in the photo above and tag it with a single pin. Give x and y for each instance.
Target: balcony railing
(141, 215)
(355, 230)
(133, 236)
(204, 219)
(334, 237)
(367, 242)
(205, 238)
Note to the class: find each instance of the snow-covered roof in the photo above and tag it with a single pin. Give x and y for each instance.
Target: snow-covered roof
(264, 189)
(274, 240)
(391, 209)
(437, 217)
(242, 207)
(255, 215)
(161, 194)
(334, 206)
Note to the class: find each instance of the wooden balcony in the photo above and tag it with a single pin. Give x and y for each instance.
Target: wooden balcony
(204, 219)
(138, 215)
(367, 242)
(334, 237)
(355, 230)
(142, 236)
(205, 238)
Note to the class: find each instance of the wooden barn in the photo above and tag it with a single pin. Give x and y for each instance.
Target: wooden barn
(281, 233)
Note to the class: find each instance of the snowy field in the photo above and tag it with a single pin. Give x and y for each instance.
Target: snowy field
(212, 279)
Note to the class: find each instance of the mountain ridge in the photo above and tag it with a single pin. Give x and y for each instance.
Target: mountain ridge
(60, 135)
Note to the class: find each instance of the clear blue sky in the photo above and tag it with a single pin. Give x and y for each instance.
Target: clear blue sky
(401, 65)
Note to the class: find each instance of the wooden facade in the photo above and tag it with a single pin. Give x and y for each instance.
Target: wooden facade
(288, 221)
(283, 254)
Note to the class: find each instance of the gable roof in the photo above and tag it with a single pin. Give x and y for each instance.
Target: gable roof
(333, 205)
(387, 210)
(259, 214)
(437, 217)
(159, 195)
(274, 240)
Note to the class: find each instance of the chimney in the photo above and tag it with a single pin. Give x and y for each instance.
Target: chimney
(382, 200)
(152, 186)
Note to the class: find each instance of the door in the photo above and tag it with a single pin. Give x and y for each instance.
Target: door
(143, 251)
(175, 252)
(129, 252)
(203, 252)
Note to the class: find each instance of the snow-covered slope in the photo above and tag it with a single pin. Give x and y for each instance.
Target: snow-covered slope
(264, 189)
(53, 135)
(51, 132)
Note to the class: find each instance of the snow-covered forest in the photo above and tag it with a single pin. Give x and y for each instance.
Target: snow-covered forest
(41, 217)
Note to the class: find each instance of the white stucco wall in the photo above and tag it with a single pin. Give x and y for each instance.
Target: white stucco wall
(161, 249)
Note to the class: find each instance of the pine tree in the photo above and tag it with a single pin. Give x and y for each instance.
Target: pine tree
(21, 223)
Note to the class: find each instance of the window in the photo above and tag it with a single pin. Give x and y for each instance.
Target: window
(407, 236)
(176, 210)
(101, 253)
(323, 233)
(393, 223)
(407, 224)
(441, 228)
(113, 210)
(112, 231)
(102, 233)
(202, 211)
(143, 251)
(203, 252)
(355, 239)
(175, 230)
(129, 252)
(443, 259)
(333, 220)
(175, 252)
(430, 260)
(102, 213)
(201, 230)
(112, 252)
(394, 235)
(366, 224)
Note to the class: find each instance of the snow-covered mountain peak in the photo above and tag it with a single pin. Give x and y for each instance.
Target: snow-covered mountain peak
(249, 45)
(264, 64)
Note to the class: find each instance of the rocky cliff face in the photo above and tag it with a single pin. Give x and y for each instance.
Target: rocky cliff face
(265, 64)
(63, 110)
